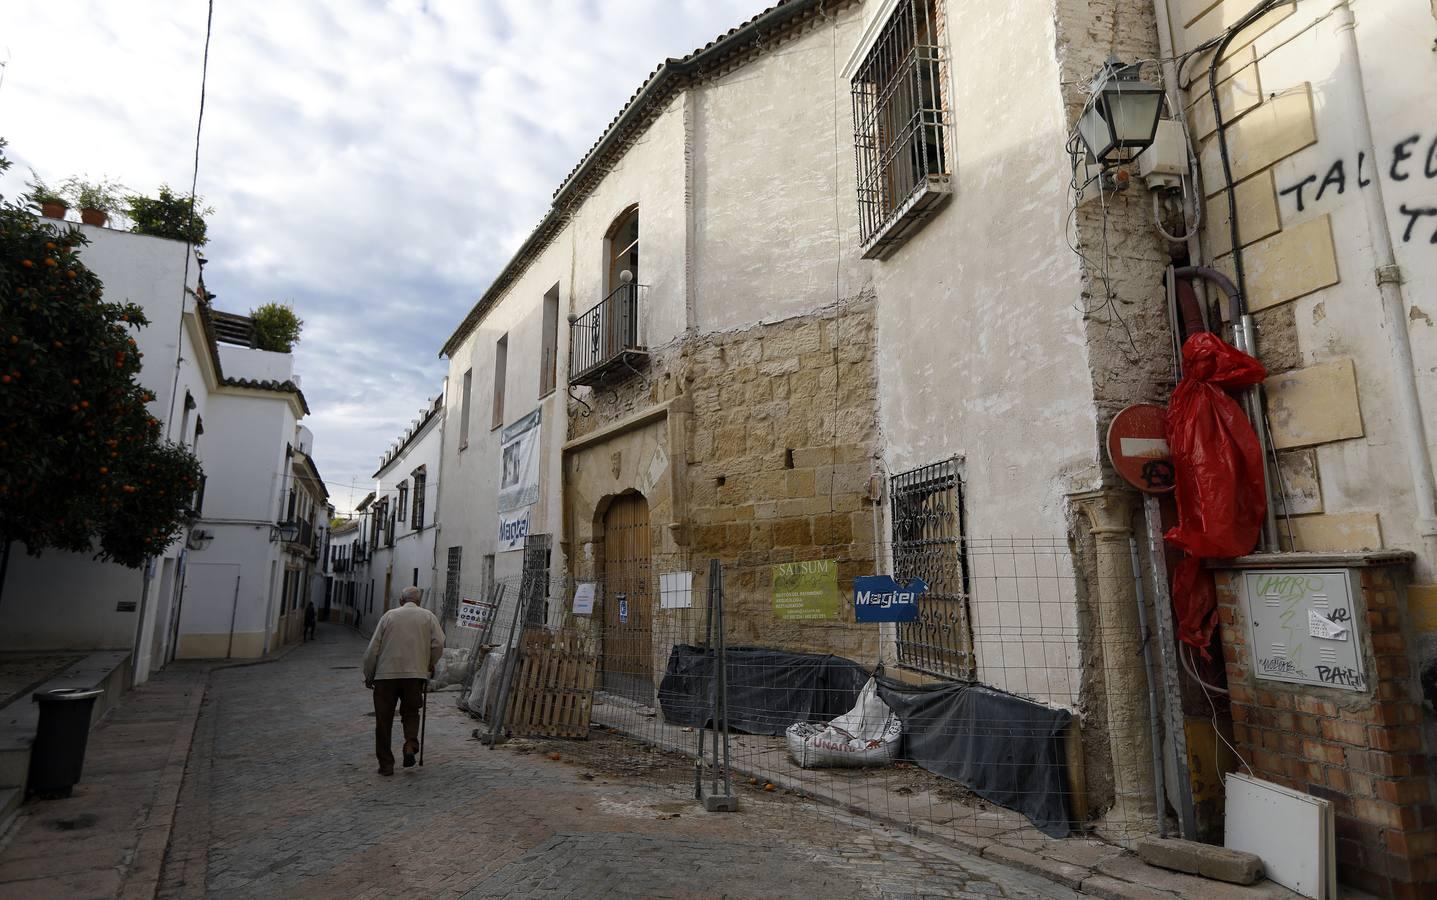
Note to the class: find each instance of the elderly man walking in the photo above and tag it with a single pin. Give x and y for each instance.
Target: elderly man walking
(406, 644)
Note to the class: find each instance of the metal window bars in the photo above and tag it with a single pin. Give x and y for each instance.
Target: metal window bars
(928, 543)
(902, 137)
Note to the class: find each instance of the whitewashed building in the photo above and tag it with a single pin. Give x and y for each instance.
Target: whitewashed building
(404, 512)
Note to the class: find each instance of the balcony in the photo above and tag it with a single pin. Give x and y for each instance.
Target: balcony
(606, 342)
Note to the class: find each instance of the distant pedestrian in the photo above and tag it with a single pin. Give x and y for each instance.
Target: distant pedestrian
(311, 618)
(406, 644)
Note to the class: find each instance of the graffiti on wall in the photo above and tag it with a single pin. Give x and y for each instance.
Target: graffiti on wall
(1414, 158)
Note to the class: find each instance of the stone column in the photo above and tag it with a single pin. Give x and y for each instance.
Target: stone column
(1119, 641)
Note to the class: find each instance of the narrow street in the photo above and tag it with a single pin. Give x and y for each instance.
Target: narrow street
(281, 798)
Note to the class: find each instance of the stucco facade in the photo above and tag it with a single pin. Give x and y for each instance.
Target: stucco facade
(408, 479)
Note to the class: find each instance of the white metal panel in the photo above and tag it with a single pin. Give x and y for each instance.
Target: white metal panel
(1303, 627)
(1292, 832)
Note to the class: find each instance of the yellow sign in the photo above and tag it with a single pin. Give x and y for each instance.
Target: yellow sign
(806, 591)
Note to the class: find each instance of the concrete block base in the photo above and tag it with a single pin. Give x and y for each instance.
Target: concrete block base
(1235, 866)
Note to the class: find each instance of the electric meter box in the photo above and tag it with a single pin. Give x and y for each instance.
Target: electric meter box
(1303, 626)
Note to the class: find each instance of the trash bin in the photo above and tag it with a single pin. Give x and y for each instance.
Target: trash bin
(58, 755)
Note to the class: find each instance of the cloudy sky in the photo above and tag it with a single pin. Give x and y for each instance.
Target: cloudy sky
(375, 163)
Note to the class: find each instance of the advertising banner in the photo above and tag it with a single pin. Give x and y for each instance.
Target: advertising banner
(806, 590)
(519, 459)
(514, 528)
(878, 598)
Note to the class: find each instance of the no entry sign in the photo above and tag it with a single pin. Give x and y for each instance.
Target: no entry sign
(1138, 448)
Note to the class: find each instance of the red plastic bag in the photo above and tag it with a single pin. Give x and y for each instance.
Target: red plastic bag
(1220, 494)
(1194, 604)
(1221, 498)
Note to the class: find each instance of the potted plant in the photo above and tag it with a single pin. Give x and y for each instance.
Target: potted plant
(94, 199)
(52, 203)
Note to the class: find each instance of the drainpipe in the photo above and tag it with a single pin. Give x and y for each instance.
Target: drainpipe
(1394, 306)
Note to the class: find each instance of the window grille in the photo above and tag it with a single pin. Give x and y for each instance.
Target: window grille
(416, 520)
(928, 542)
(451, 584)
(902, 138)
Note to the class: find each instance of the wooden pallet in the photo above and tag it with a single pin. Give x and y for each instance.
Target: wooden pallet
(553, 690)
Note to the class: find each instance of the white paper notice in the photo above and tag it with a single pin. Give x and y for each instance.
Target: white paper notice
(676, 590)
(1319, 626)
(584, 599)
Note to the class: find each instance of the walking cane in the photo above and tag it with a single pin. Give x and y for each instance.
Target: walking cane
(423, 720)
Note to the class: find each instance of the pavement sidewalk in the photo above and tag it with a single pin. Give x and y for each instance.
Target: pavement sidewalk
(110, 837)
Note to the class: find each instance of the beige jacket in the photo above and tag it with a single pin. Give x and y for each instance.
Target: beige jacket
(406, 644)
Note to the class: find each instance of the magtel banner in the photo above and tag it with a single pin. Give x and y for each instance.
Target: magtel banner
(514, 528)
(878, 598)
(519, 457)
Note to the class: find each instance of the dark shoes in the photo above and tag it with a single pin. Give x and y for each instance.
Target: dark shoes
(386, 770)
(408, 759)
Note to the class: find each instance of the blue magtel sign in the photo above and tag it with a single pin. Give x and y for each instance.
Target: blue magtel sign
(878, 598)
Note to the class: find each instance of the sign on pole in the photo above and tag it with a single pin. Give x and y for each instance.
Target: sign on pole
(1138, 447)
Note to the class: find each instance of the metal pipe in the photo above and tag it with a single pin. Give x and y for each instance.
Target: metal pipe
(1394, 306)
(1159, 778)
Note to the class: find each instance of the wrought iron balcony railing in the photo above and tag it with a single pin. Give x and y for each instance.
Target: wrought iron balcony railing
(608, 340)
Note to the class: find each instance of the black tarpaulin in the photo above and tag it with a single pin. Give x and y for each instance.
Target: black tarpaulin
(768, 690)
(1003, 748)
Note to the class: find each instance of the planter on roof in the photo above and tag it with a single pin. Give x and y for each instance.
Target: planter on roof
(53, 210)
(94, 216)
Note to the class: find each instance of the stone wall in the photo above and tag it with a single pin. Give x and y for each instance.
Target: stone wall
(767, 437)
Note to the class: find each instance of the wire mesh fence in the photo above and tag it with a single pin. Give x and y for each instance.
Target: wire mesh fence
(738, 677)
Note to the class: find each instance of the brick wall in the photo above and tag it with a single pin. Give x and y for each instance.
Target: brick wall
(1360, 750)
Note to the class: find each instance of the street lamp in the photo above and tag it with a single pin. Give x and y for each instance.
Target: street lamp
(284, 532)
(1121, 119)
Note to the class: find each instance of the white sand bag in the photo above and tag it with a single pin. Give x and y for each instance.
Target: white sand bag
(867, 735)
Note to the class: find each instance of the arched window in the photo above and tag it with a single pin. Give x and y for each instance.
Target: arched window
(623, 248)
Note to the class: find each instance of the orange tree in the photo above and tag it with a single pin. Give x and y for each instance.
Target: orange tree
(83, 466)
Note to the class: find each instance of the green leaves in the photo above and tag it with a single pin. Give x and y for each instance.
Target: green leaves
(169, 216)
(276, 327)
(82, 462)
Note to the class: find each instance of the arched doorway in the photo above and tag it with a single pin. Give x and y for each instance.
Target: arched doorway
(628, 663)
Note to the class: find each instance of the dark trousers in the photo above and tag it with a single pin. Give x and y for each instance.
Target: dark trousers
(409, 694)
(309, 631)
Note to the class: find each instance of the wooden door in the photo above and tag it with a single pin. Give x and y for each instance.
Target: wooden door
(628, 618)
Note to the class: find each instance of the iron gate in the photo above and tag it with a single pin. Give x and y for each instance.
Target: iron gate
(928, 543)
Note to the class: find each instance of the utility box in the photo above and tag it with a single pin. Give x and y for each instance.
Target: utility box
(1303, 627)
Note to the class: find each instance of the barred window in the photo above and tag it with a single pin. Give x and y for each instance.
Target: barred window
(901, 124)
(928, 543)
(416, 520)
(451, 584)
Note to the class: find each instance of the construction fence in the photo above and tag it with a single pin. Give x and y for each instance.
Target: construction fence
(943, 706)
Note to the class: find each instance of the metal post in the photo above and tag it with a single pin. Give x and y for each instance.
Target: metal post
(703, 722)
(1160, 791)
(511, 649)
(722, 799)
(1168, 665)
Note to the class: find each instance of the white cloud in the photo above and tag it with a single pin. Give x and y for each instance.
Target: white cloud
(376, 163)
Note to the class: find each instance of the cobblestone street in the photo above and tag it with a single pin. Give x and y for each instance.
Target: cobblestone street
(281, 798)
